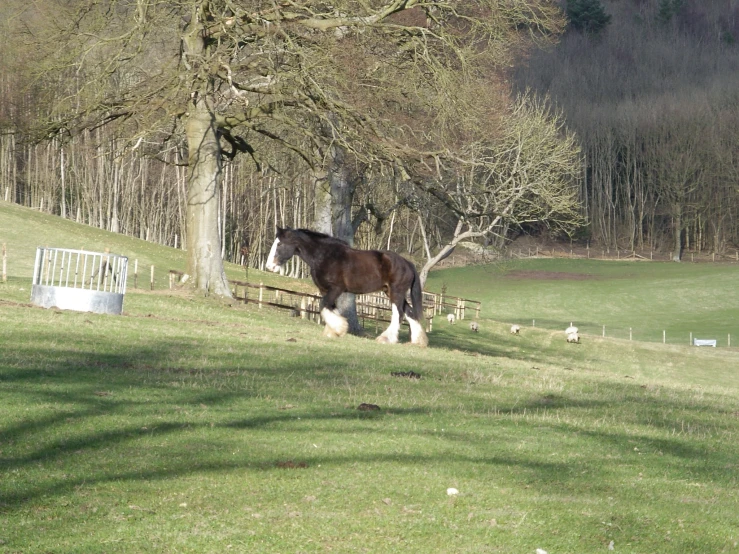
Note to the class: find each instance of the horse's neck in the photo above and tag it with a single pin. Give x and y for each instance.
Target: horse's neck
(308, 251)
(314, 251)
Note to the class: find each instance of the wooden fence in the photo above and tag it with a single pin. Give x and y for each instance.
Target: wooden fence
(370, 307)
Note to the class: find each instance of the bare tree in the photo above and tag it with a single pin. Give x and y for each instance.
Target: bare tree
(528, 175)
(231, 75)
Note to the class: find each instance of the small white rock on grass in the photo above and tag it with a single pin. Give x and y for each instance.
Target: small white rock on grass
(451, 491)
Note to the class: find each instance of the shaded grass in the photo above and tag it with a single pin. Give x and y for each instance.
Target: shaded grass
(166, 434)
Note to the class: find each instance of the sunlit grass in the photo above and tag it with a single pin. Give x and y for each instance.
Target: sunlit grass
(646, 297)
(190, 425)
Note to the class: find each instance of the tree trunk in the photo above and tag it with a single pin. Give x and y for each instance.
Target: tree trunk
(678, 236)
(204, 262)
(333, 200)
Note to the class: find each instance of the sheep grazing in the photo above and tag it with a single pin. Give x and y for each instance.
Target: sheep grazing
(515, 329)
(450, 318)
(474, 327)
(572, 334)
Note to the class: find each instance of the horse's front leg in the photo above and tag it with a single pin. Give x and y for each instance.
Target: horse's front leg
(336, 325)
(390, 335)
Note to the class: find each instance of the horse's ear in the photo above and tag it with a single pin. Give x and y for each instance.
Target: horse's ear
(279, 231)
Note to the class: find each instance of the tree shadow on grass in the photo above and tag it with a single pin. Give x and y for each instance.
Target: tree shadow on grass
(90, 403)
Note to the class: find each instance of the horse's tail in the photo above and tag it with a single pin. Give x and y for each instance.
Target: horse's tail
(416, 295)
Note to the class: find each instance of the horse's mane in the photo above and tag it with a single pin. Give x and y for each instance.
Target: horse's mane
(320, 236)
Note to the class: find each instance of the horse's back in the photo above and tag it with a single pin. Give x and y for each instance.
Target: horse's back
(365, 271)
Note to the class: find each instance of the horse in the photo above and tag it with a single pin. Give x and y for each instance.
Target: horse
(337, 268)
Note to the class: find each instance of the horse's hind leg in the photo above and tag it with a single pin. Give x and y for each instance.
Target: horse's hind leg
(336, 325)
(418, 333)
(390, 335)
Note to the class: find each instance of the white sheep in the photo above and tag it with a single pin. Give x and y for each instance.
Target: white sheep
(515, 329)
(572, 334)
(474, 327)
(450, 318)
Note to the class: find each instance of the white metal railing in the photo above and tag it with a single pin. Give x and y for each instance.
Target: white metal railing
(80, 269)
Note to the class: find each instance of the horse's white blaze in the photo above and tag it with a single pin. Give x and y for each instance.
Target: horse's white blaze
(335, 322)
(418, 335)
(272, 257)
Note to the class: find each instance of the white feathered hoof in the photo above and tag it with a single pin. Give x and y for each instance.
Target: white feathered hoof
(330, 333)
(338, 325)
(421, 340)
(384, 339)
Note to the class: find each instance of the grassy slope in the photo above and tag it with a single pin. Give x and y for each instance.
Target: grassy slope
(24, 230)
(649, 297)
(187, 426)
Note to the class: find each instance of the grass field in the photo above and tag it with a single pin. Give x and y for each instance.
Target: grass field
(190, 425)
(648, 297)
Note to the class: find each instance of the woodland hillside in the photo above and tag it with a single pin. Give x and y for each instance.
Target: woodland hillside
(653, 97)
(626, 116)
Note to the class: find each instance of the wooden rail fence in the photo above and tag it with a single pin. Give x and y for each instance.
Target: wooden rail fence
(370, 307)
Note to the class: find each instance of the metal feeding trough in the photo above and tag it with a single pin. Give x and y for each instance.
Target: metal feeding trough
(79, 280)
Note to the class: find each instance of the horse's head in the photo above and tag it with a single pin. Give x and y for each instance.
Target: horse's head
(282, 250)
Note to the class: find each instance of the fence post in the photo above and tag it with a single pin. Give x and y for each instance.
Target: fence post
(477, 311)
(302, 308)
(604, 331)
(136, 273)
(664, 337)
(5, 262)
(691, 338)
(152, 277)
(629, 333)
(261, 293)
(171, 280)
(728, 342)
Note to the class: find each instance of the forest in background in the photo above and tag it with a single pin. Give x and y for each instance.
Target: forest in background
(652, 96)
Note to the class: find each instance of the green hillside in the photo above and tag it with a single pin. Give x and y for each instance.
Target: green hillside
(193, 425)
(646, 297)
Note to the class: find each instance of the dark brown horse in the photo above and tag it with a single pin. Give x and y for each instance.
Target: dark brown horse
(336, 268)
